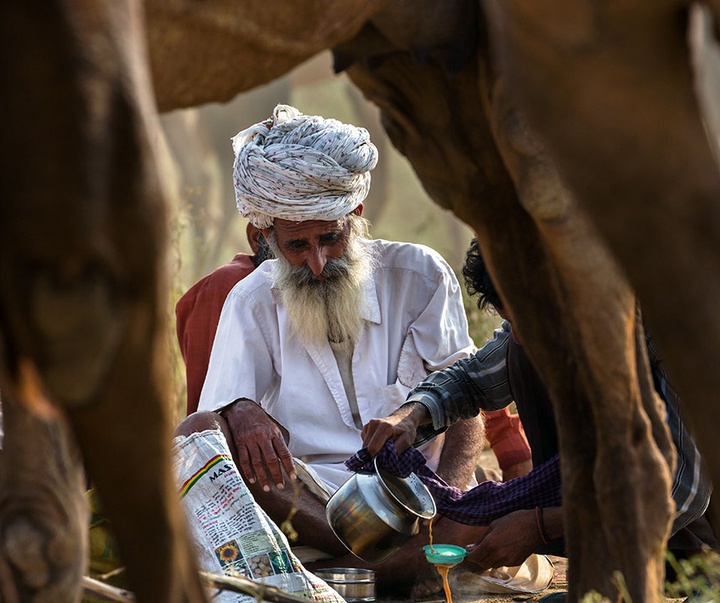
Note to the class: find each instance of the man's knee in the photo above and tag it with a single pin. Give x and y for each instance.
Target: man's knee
(200, 421)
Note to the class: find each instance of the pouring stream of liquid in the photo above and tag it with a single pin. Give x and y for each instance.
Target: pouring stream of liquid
(442, 569)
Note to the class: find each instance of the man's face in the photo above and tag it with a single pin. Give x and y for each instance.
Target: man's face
(311, 243)
(321, 271)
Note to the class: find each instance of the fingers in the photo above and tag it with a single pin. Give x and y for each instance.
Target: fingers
(479, 556)
(261, 448)
(496, 549)
(264, 462)
(275, 458)
(401, 426)
(378, 431)
(482, 553)
(286, 460)
(403, 442)
(246, 467)
(374, 434)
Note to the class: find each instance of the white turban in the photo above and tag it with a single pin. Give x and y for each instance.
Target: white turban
(301, 167)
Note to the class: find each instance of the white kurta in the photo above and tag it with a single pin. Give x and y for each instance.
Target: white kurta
(415, 324)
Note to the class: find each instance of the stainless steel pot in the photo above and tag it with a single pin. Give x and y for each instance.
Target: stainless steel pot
(374, 514)
(351, 583)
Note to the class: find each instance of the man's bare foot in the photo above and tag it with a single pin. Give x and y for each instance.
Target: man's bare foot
(428, 588)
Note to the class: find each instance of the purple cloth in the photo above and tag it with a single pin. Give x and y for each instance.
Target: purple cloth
(481, 505)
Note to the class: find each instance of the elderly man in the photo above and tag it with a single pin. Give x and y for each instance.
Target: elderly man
(329, 335)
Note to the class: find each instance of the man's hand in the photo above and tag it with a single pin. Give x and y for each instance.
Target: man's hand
(508, 542)
(400, 426)
(260, 443)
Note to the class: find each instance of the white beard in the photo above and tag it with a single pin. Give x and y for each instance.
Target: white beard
(331, 309)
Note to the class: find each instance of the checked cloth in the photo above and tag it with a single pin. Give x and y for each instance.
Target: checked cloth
(482, 504)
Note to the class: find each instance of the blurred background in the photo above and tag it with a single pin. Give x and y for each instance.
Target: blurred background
(207, 230)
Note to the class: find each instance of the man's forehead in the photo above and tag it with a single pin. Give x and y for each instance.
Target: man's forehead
(287, 229)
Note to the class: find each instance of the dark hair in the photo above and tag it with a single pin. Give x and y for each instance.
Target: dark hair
(477, 279)
(263, 252)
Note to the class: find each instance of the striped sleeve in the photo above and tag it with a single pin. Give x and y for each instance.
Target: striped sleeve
(462, 390)
(691, 488)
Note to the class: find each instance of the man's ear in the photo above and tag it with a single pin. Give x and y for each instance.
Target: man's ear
(252, 233)
(358, 210)
(266, 232)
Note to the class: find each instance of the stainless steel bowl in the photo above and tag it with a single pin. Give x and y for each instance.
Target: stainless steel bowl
(351, 583)
(374, 514)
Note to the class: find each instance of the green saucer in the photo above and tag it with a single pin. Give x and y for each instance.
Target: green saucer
(444, 554)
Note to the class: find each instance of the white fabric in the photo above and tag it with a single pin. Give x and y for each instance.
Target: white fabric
(533, 576)
(311, 480)
(301, 167)
(415, 324)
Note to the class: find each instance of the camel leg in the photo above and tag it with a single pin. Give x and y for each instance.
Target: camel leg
(43, 515)
(82, 308)
(622, 478)
(623, 125)
(445, 133)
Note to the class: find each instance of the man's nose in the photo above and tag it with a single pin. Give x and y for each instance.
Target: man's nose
(317, 258)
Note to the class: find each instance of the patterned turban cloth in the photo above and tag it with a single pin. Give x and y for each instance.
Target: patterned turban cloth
(301, 167)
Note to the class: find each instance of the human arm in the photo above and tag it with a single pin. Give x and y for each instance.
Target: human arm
(517, 470)
(461, 449)
(400, 426)
(469, 386)
(261, 444)
(512, 538)
(240, 372)
(691, 488)
(444, 397)
(242, 360)
(462, 446)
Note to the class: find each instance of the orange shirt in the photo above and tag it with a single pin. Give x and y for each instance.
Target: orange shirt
(506, 436)
(197, 314)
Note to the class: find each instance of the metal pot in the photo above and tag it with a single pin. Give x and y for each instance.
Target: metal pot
(374, 514)
(352, 584)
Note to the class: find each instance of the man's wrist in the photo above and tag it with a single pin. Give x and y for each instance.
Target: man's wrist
(551, 523)
(426, 425)
(417, 412)
(228, 408)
